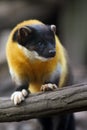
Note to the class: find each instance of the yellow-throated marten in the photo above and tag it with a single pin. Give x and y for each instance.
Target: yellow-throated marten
(37, 61)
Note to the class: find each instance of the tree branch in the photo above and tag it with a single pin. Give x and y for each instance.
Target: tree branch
(64, 100)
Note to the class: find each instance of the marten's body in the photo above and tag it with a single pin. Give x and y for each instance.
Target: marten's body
(37, 60)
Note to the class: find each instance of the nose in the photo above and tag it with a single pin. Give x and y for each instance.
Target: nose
(52, 53)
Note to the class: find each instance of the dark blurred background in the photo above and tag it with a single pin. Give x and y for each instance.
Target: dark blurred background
(70, 17)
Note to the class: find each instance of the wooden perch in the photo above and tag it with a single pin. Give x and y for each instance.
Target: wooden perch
(64, 100)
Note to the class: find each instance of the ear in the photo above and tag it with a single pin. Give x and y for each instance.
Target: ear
(23, 34)
(53, 28)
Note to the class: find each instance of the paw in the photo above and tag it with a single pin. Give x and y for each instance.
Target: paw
(48, 87)
(19, 96)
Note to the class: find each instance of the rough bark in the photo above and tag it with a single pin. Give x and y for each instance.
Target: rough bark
(60, 101)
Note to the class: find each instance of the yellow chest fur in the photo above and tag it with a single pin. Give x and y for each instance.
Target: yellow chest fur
(34, 71)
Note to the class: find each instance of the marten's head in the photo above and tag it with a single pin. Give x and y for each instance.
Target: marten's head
(36, 40)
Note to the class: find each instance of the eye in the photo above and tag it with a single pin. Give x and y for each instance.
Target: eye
(39, 43)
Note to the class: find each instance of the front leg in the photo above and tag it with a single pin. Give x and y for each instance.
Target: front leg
(20, 94)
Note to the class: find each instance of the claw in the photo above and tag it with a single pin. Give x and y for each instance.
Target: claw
(48, 87)
(19, 96)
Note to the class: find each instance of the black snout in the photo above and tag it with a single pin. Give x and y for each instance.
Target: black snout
(52, 53)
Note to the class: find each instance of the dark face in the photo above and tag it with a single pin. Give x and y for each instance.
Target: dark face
(38, 38)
